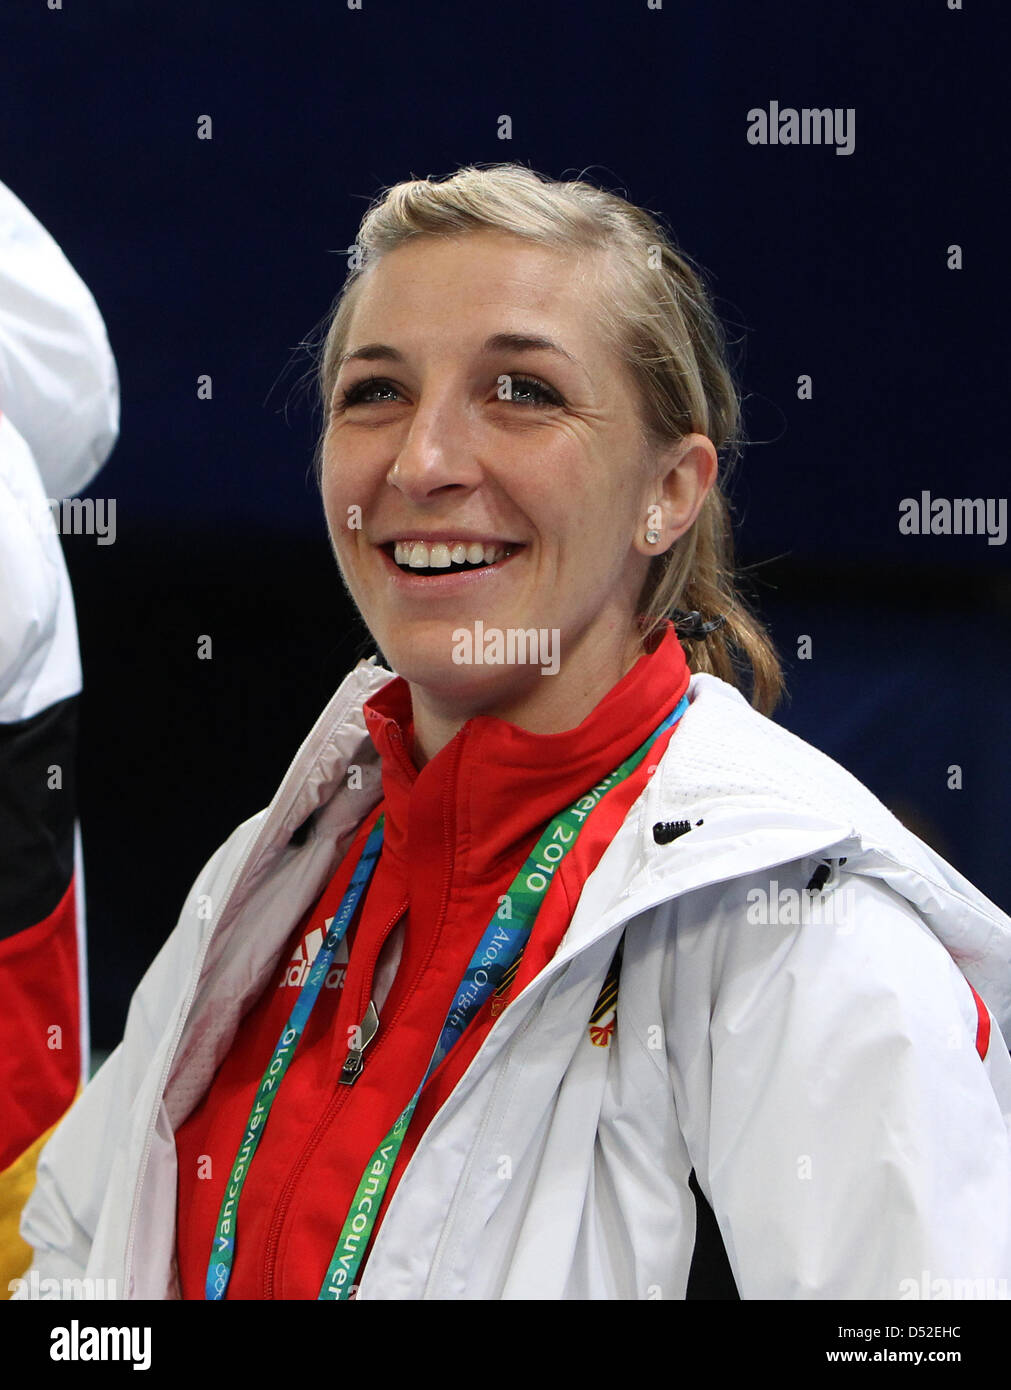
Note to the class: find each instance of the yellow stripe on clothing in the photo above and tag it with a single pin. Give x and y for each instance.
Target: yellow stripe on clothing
(16, 1183)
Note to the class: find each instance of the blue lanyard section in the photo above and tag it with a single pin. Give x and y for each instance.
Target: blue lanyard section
(219, 1271)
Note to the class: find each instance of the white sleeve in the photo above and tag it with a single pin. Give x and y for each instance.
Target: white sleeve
(39, 659)
(31, 564)
(58, 377)
(857, 1145)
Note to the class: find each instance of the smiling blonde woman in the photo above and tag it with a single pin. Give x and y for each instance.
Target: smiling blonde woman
(554, 969)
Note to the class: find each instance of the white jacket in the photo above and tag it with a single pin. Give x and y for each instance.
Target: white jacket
(59, 420)
(822, 1080)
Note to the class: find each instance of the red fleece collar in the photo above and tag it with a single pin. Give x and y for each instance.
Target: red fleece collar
(505, 781)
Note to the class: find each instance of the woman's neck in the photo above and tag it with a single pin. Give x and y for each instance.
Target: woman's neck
(548, 705)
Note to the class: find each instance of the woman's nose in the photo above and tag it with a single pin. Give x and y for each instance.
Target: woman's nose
(437, 452)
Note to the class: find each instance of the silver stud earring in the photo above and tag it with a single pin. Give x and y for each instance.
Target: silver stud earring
(652, 537)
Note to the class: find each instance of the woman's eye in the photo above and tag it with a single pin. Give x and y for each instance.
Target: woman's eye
(361, 393)
(525, 386)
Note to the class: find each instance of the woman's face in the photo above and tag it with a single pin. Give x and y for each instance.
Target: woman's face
(421, 447)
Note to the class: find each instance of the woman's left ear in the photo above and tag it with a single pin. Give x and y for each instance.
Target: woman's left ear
(683, 475)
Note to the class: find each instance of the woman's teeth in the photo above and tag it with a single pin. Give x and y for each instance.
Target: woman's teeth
(440, 555)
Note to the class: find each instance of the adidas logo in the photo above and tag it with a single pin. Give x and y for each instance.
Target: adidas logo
(305, 953)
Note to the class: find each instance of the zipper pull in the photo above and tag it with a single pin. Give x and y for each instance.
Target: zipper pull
(367, 1030)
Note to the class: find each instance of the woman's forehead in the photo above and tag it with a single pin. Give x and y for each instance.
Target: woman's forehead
(470, 282)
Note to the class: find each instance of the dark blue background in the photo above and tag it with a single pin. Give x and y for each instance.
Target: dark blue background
(222, 256)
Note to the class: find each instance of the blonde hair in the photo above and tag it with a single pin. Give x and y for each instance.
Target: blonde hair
(657, 317)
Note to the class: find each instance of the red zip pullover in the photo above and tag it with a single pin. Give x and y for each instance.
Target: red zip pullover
(456, 834)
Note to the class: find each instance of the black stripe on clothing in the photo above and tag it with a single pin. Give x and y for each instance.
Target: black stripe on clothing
(710, 1275)
(36, 822)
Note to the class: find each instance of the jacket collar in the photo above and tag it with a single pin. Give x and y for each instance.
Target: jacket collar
(733, 784)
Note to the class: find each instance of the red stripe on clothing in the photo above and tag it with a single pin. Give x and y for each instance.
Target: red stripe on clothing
(982, 1025)
(39, 1026)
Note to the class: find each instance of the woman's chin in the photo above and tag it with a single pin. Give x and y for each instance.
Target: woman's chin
(459, 684)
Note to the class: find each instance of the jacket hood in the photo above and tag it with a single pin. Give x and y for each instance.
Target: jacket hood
(58, 380)
(748, 779)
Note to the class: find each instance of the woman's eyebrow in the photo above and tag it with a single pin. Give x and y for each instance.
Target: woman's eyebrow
(525, 342)
(498, 342)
